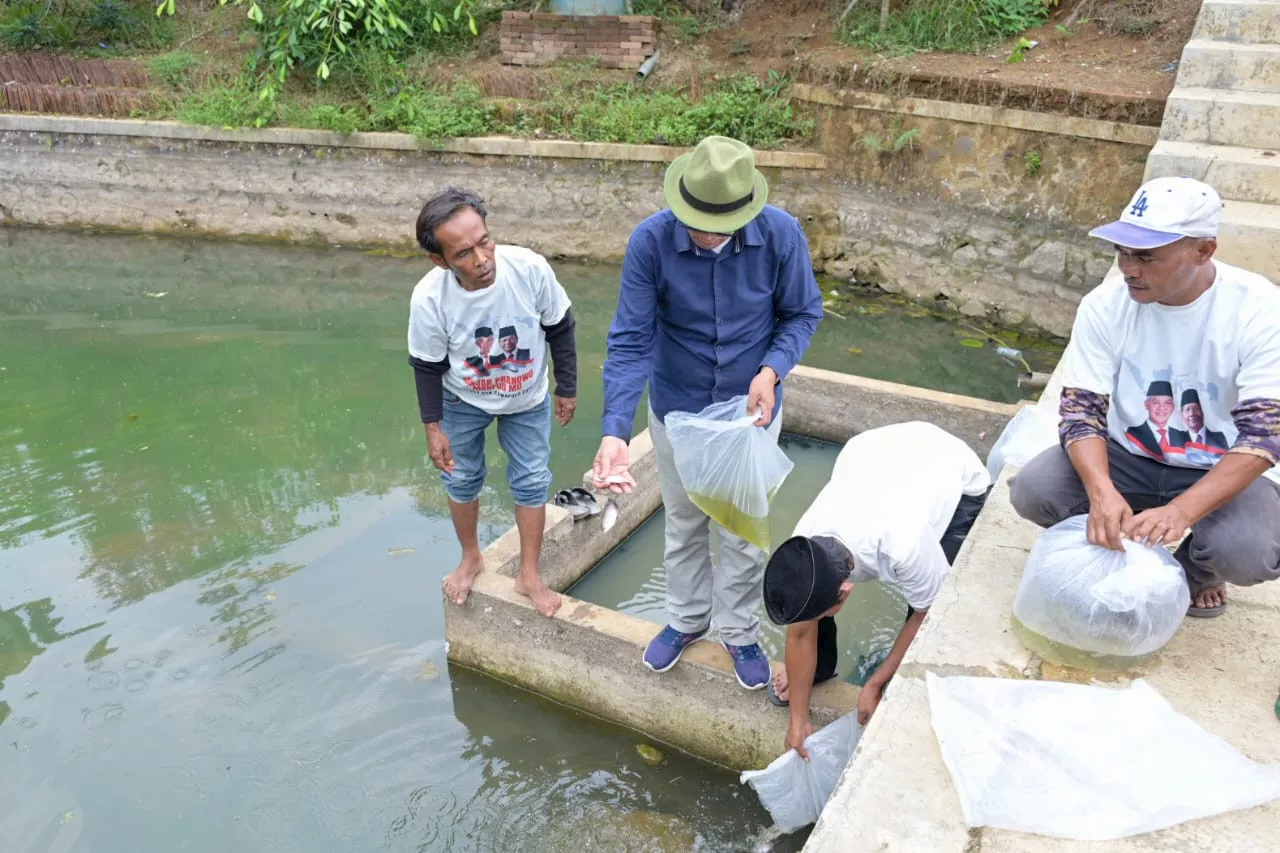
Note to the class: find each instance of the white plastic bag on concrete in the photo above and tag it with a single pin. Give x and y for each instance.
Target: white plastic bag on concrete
(1117, 603)
(1085, 762)
(730, 467)
(1030, 432)
(794, 791)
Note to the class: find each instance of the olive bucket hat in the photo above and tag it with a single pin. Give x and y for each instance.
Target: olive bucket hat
(716, 187)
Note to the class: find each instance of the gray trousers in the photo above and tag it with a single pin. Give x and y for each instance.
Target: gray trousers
(724, 594)
(1239, 543)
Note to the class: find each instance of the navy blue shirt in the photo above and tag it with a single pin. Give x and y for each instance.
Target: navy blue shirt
(698, 325)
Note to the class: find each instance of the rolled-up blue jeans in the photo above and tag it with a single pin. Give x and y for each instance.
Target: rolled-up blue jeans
(524, 436)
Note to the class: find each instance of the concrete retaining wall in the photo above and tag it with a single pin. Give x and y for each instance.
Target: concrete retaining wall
(588, 656)
(561, 198)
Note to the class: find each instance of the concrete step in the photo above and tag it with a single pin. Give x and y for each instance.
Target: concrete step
(1247, 119)
(1240, 21)
(1249, 237)
(1223, 65)
(1238, 174)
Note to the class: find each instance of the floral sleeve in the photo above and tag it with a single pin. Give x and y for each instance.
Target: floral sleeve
(1258, 424)
(1083, 415)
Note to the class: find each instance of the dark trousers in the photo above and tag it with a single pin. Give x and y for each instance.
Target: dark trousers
(952, 538)
(1239, 543)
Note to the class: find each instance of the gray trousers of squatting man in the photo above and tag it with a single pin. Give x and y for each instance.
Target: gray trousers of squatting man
(1238, 544)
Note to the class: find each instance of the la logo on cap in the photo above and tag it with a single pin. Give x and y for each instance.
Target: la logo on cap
(1163, 211)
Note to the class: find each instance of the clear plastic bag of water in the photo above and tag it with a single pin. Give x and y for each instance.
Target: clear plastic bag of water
(1030, 432)
(1085, 762)
(730, 468)
(1110, 604)
(794, 791)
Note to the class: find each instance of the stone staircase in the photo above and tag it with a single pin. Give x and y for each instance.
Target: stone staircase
(1222, 125)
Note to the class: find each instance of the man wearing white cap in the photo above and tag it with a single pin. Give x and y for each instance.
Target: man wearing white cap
(1179, 320)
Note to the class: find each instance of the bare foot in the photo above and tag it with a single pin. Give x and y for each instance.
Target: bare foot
(780, 688)
(1210, 596)
(458, 585)
(546, 601)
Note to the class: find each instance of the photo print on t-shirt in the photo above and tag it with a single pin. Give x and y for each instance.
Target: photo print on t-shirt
(1175, 428)
(500, 365)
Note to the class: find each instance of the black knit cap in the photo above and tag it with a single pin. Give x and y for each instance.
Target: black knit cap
(802, 580)
(1160, 388)
(1190, 396)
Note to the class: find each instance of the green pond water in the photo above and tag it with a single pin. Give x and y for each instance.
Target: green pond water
(221, 547)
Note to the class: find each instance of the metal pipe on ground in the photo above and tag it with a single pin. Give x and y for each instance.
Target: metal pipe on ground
(1034, 381)
(646, 67)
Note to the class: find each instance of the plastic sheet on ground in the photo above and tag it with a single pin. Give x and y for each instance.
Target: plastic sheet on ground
(1030, 432)
(1085, 762)
(794, 791)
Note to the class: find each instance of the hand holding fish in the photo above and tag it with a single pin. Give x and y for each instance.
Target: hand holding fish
(611, 468)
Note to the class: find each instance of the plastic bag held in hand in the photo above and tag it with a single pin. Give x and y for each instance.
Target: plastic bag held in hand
(794, 791)
(1117, 603)
(730, 467)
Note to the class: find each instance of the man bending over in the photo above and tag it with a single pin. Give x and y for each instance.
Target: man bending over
(900, 501)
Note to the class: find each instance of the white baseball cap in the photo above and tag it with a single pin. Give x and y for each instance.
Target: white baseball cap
(1164, 210)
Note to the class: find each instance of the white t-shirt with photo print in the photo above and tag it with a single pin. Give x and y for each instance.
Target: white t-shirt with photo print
(1225, 347)
(493, 337)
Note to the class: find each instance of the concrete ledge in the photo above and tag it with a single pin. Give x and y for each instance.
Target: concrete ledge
(1109, 131)
(571, 548)
(588, 657)
(492, 146)
(836, 406)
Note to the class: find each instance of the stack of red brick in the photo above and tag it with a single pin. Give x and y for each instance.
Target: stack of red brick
(615, 41)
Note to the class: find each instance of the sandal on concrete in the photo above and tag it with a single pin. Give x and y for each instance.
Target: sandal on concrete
(565, 500)
(585, 499)
(1204, 612)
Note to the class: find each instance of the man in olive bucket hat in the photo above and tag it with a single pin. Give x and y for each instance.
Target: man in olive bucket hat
(718, 299)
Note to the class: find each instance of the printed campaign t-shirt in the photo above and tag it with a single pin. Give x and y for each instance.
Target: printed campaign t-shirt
(1175, 372)
(890, 498)
(493, 337)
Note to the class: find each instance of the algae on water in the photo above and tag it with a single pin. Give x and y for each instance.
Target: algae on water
(753, 528)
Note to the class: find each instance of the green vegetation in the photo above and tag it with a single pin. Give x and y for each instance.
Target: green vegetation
(1034, 162)
(964, 26)
(374, 93)
(93, 26)
(896, 142)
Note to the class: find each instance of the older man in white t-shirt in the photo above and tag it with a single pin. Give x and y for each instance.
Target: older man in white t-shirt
(476, 289)
(900, 501)
(1195, 329)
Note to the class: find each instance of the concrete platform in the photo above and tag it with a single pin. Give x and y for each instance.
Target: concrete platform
(1238, 174)
(1239, 21)
(897, 794)
(1222, 117)
(1223, 65)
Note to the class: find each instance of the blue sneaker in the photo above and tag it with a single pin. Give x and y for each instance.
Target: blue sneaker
(750, 665)
(665, 649)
